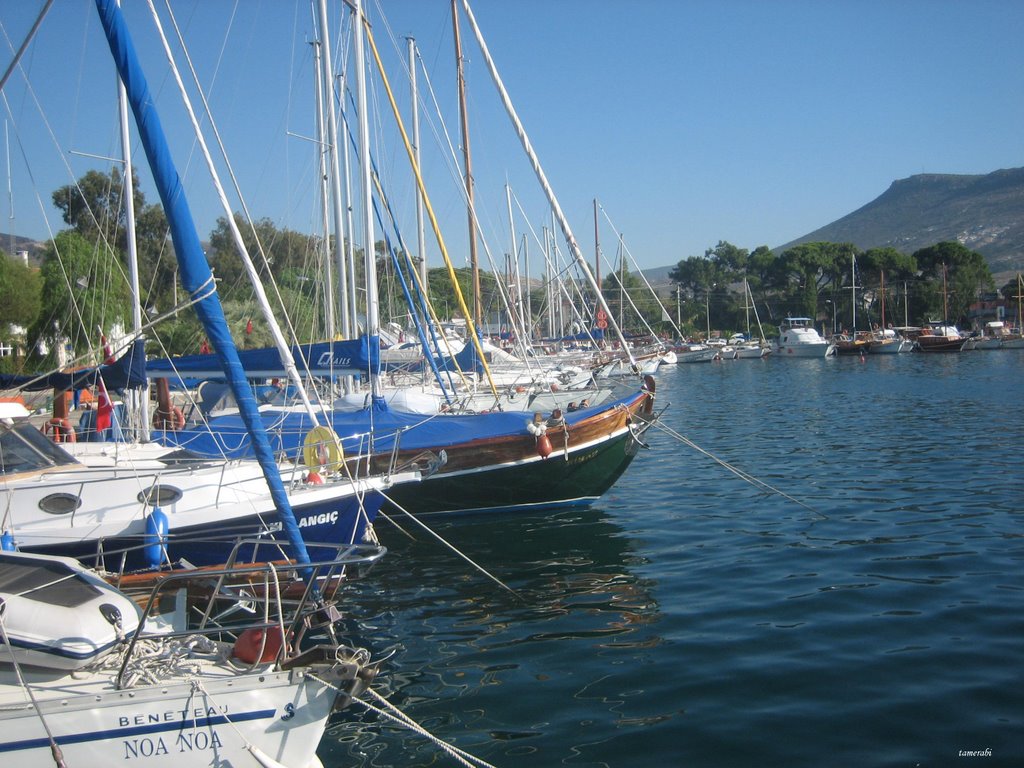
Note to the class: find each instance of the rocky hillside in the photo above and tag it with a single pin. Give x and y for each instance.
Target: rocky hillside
(984, 212)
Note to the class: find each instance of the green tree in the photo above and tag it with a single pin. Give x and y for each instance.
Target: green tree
(695, 274)
(94, 206)
(20, 291)
(957, 275)
(83, 291)
(801, 272)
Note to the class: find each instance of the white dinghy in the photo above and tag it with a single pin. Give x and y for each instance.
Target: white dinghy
(59, 615)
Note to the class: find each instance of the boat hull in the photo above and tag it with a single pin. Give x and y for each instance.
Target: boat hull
(494, 461)
(282, 714)
(210, 541)
(939, 344)
(578, 477)
(804, 350)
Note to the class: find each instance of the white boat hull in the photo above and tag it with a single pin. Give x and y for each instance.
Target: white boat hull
(805, 350)
(751, 353)
(283, 714)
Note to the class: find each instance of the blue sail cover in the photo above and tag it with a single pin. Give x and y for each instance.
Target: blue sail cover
(127, 372)
(195, 273)
(324, 358)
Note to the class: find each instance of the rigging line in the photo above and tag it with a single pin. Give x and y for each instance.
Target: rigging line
(453, 168)
(287, 360)
(451, 546)
(625, 248)
(58, 756)
(734, 469)
(563, 270)
(473, 333)
(452, 165)
(625, 292)
(24, 46)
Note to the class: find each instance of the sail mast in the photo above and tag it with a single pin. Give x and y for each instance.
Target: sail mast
(283, 349)
(468, 165)
(194, 270)
(321, 153)
(140, 401)
(347, 329)
(563, 222)
(421, 234)
(366, 189)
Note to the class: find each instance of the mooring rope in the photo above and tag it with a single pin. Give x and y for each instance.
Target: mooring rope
(389, 711)
(450, 546)
(734, 469)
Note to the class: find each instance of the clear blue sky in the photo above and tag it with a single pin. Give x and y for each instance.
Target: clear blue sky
(690, 121)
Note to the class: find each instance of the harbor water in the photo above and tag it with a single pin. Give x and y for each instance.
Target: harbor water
(867, 612)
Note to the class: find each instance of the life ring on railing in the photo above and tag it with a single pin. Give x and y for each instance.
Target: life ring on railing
(321, 450)
(172, 421)
(59, 430)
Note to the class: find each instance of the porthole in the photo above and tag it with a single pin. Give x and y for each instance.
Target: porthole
(159, 495)
(60, 503)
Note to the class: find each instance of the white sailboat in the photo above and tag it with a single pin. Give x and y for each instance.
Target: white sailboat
(89, 678)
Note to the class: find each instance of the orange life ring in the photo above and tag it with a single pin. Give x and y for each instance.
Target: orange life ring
(172, 421)
(59, 430)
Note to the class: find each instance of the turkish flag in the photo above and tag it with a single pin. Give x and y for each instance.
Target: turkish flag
(104, 408)
(108, 353)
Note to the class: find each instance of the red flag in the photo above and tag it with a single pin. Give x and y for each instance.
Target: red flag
(108, 353)
(248, 328)
(104, 408)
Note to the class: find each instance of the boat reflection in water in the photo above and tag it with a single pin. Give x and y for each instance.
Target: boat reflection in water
(465, 642)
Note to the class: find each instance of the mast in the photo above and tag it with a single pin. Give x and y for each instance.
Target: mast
(853, 295)
(10, 189)
(468, 164)
(945, 298)
(567, 233)
(140, 400)
(514, 255)
(366, 188)
(327, 75)
(194, 270)
(528, 320)
(597, 249)
(283, 349)
(421, 240)
(881, 290)
(322, 142)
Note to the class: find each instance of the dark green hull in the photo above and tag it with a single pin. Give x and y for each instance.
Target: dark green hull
(530, 484)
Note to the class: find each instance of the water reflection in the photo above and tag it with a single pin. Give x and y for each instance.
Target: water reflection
(463, 646)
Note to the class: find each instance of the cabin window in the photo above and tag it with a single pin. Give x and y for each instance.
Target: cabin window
(60, 503)
(23, 449)
(160, 495)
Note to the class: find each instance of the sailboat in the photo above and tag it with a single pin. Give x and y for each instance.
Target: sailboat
(852, 342)
(479, 462)
(172, 693)
(885, 340)
(1014, 339)
(941, 335)
(749, 348)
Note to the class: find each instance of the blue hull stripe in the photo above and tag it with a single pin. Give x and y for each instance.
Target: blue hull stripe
(141, 730)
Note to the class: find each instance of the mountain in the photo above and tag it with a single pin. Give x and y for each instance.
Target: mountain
(13, 244)
(983, 212)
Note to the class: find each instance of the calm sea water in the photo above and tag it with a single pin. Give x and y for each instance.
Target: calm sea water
(692, 619)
